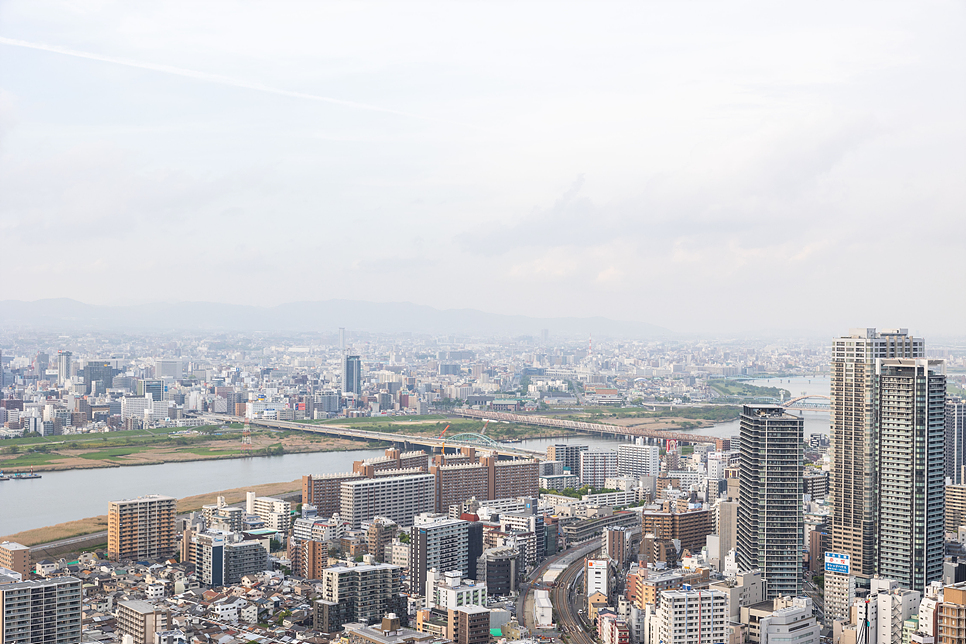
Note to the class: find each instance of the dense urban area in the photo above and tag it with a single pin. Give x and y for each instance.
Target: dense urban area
(704, 491)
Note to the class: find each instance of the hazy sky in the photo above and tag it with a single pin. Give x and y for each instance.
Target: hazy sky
(700, 166)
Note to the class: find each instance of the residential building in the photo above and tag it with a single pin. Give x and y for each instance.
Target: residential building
(398, 498)
(140, 620)
(616, 544)
(142, 528)
(689, 616)
(955, 440)
(952, 615)
(955, 510)
(47, 611)
(569, 455)
(359, 593)
(15, 557)
(854, 481)
(472, 625)
(597, 577)
(691, 528)
(909, 398)
(638, 460)
(324, 491)
(784, 619)
(597, 465)
(442, 544)
(771, 525)
(276, 513)
(449, 591)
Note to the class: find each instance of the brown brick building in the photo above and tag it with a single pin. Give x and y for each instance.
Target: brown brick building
(691, 528)
(141, 528)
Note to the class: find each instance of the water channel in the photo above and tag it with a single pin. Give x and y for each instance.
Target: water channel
(77, 494)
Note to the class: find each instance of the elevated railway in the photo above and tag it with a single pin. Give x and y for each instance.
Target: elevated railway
(404, 441)
(580, 426)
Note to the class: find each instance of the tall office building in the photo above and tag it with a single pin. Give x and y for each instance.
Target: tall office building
(341, 338)
(98, 376)
(569, 455)
(771, 526)
(909, 398)
(596, 466)
(443, 545)
(47, 611)
(142, 528)
(65, 365)
(854, 481)
(955, 439)
(638, 460)
(352, 375)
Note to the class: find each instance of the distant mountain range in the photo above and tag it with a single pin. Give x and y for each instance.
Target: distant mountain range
(391, 317)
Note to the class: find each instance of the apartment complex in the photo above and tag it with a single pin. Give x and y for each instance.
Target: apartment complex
(771, 526)
(441, 544)
(141, 528)
(47, 611)
(324, 491)
(361, 593)
(692, 528)
(596, 466)
(569, 455)
(689, 616)
(398, 498)
(457, 483)
(140, 620)
(276, 513)
(15, 557)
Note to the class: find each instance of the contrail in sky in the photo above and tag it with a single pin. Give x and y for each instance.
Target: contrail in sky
(204, 76)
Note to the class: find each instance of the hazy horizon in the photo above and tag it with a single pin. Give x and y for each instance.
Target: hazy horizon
(703, 167)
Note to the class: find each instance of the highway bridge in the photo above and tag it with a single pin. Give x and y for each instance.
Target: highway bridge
(809, 403)
(580, 426)
(404, 441)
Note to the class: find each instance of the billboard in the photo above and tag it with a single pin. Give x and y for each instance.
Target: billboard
(836, 562)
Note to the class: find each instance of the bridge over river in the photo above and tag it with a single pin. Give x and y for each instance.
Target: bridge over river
(404, 441)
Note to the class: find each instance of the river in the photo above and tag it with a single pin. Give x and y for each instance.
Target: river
(78, 494)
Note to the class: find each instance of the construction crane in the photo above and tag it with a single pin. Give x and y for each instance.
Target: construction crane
(441, 436)
(483, 431)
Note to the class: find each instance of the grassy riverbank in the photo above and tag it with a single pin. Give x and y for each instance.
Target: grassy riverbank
(150, 447)
(90, 525)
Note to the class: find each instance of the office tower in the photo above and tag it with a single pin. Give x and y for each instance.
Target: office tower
(398, 498)
(166, 368)
(15, 557)
(638, 460)
(352, 375)
(689, 616)
(597, 577)
(46, 611)
(41, 363)
(569, 455)
(442, 545)
(142, 528)
(362, 593)
(98, 376)
(854, 481)
(154, 386)
(501, 569)
(955, 439)
(140, 620)
(65, 367)
(771, 526)
(342, 339)
(909, 398)
(596, 466)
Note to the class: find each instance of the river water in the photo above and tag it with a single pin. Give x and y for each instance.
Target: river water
(78, 494)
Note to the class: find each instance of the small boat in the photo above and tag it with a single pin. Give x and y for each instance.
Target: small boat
(4, 478)
(25, 475)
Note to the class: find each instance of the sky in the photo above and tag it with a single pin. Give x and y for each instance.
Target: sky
(701, 166)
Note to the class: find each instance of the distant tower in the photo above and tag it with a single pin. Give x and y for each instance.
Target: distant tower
(64, 366)
(352, 375)
(342, 339)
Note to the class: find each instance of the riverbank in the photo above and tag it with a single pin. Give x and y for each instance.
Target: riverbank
(71, 529)
(92, 451)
